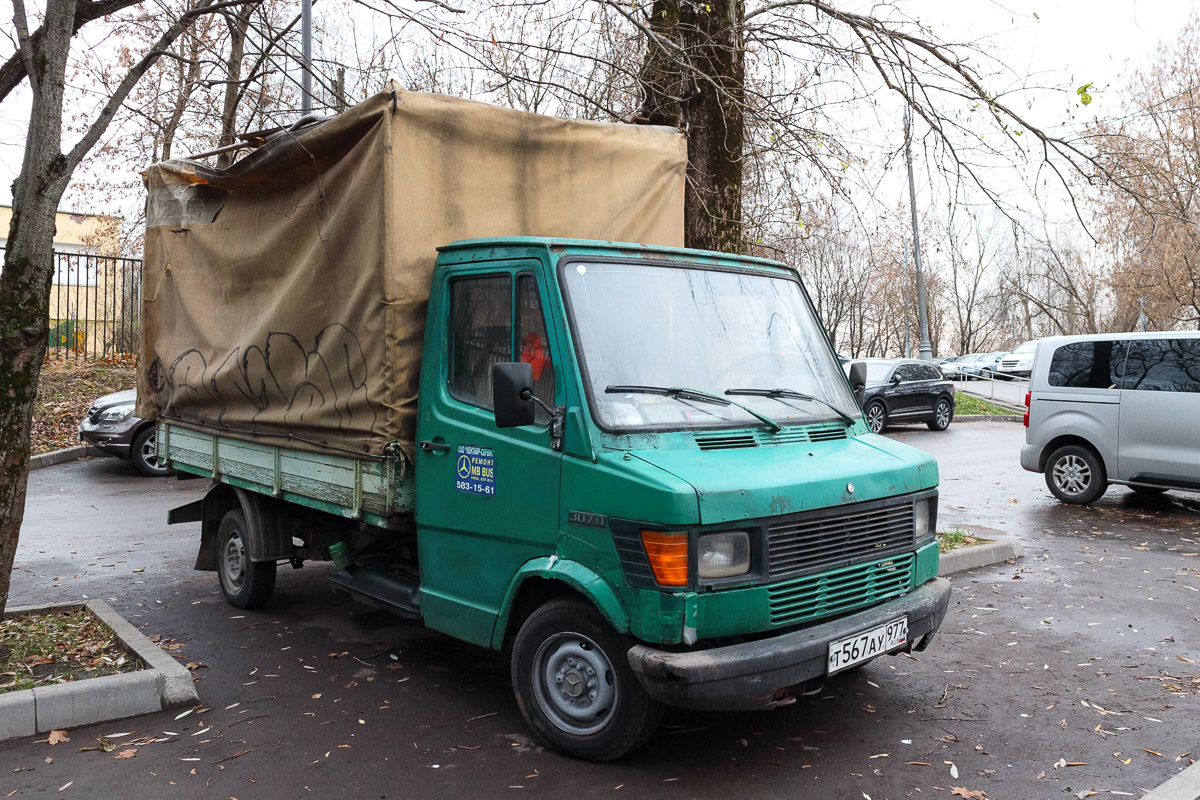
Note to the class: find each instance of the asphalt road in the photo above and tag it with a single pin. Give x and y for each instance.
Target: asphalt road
(1072, 671)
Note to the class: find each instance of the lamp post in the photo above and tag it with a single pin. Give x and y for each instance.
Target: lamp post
(306, 103)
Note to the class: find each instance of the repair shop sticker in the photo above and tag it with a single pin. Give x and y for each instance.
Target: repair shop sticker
(475, 470)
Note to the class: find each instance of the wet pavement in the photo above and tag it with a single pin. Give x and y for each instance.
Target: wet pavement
(1073, 671)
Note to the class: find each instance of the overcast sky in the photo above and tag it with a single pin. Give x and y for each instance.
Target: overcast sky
(1067, 43)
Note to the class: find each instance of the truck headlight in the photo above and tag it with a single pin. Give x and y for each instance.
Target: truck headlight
(723, 555)
(116, 413)
(921, 518)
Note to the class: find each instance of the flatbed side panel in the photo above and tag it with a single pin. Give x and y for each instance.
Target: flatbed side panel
(367, 488)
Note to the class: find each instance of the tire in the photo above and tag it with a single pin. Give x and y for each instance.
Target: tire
(574, 685)
(1075, 474)
(876, 415)
(942, 414)
(1149, 491)
(245, 583)
(143, 456)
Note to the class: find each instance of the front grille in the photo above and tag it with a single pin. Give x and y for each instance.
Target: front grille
(842, 591)
(811, 541)
(1009, 362)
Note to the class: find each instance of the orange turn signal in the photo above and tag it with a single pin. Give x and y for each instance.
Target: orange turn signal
(668, 554)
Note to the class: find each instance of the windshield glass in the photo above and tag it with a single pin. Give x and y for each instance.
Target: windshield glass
(639, 325)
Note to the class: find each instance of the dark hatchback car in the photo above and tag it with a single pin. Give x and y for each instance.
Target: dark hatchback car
(906, 390)
(112, 426)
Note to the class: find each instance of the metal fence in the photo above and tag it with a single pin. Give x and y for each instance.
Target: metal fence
(94, 306)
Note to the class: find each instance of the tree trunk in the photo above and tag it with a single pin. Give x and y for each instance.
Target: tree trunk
(28, 270)
(238, 26)
(693, 77)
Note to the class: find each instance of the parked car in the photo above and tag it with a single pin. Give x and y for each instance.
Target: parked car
(112, 426)
(948, 366)
(906, 390)
(1114, 408)
(1019, 363)
(982, 365)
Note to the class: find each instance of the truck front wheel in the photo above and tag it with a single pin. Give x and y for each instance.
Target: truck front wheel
(574, 685)
(245, 583)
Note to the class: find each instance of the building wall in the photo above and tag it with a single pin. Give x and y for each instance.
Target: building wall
(93, 293)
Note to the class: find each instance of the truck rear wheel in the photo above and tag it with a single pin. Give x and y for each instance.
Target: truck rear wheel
(574, 685)
(245, 583)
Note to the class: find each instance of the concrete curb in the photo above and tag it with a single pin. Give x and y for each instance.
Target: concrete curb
(165, 683)
(64, 455)
(981, 555)
(989, 417)
(1184, 786)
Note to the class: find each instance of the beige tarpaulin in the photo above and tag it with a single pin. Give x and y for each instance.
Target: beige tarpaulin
(284, 298)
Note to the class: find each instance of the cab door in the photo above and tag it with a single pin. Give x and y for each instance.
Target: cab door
(487, 498)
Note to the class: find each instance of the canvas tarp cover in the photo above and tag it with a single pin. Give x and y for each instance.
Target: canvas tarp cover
(284, 297)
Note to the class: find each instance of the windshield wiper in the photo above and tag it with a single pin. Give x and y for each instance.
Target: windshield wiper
(793, 395)
(680, 393)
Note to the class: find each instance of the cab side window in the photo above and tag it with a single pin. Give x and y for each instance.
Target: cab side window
(907, 373)
(480, 335)
(533, 346)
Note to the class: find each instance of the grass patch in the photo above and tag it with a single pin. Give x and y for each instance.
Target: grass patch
(969, 404)
(59, 646)
(66, 390)
(956, 539)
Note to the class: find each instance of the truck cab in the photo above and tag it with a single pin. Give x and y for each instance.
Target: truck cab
(643, 470)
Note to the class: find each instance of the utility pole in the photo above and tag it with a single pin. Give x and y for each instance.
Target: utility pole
(306, 103)
(907, 347)
(926, 352)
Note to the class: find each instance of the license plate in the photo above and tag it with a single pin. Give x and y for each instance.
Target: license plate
(845, 653)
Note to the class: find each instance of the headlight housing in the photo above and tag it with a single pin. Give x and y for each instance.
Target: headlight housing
(921, 518)
(723, 555)
(116, 413)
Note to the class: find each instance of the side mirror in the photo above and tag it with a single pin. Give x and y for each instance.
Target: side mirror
(858, 379)
(895, 381)
(512, 394)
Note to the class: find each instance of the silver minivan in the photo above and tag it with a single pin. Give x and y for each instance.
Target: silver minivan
(1115, 408)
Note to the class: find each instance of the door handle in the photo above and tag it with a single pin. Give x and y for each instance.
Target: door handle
(436, 448)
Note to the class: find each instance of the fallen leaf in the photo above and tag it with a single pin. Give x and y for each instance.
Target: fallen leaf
(1153, 752)
(969, 794)
(185, 713)
(954, 771)
(65, 785)
(58, 736)
(128, 753)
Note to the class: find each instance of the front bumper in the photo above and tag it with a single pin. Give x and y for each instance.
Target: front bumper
(748, 676)
(111, 437)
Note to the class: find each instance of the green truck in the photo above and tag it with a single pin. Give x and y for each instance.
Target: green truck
(639, 469)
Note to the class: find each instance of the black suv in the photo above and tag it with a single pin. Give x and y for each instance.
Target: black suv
(906, 390)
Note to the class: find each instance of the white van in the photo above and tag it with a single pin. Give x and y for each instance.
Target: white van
(1115, 408)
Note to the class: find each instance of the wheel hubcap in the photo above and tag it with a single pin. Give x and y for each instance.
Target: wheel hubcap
(1072, 474)
(574, 683)
(233, 565)
(875, 419)
(149, 454)
(943, 414)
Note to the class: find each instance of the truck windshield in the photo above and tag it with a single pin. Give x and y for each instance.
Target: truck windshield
(707, 330)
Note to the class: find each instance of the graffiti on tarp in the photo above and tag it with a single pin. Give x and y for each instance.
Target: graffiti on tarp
(281, 384)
